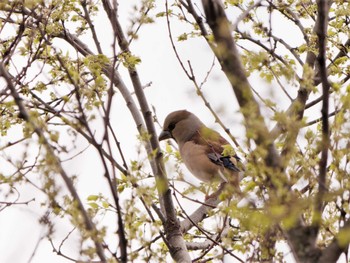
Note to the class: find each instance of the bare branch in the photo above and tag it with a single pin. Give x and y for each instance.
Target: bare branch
(91, 26)
(198, 215)
(323, 9)
(321, 118)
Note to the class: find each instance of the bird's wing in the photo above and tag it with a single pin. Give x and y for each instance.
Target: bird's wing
(229, 162)
(215, 149)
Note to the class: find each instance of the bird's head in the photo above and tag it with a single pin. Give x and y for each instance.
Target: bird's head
(181, 126)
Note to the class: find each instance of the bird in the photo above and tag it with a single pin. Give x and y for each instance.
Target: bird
(206, 154)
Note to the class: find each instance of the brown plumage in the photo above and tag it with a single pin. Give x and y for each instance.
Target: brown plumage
(203, 150)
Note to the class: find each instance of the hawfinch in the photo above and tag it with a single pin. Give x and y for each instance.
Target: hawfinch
(206, 154)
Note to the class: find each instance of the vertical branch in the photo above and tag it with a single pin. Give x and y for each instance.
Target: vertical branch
(229, 58)
(303, 239)
(299, 105)
(123, 242)
(322, 6)
(91, 26)
(176, 243)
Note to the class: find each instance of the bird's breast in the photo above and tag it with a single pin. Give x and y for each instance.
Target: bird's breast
(197, 162)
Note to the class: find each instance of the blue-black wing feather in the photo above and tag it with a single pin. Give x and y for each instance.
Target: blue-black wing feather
(224, 161)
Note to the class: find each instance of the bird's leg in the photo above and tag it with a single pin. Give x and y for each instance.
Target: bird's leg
(207, 191)
(216, 194)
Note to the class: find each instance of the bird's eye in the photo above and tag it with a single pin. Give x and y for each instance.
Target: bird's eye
(171, 126)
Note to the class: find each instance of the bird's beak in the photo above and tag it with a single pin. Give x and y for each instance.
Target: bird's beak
(165, 135)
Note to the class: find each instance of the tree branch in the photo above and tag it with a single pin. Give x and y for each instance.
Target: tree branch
(50, 151)
(297, 108)
(91, 26)
(337, 246)
(323, 9)
(297, 235)
(199, 214)
(228, 56)
(177, 246)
